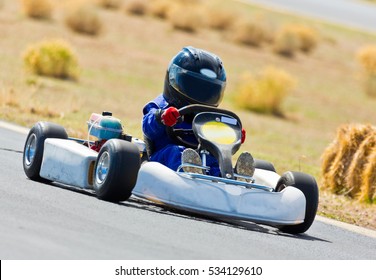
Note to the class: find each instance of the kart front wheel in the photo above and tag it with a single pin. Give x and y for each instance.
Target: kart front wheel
(307, 184)
(34, 146)
(116, 170)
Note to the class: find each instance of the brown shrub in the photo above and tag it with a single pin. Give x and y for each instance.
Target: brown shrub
(39, 9)
(358, 163)
(137, 7)
(251, 33)
(219, 19)
(367, 58)
(52, 58)
(368, 188)
(348, 145)
(286, 41)
(110, 4)
(83, 18)
(330, 153)
(160, 8)
(307, 38)
(187, 18)
(265, 92)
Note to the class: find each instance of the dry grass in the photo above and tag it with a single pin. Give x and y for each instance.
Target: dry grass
(347, 210)
(38, 9)
(370, 85)
(265, 92)
(8, 98)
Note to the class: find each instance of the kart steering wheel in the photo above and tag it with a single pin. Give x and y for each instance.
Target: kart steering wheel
(177, 134)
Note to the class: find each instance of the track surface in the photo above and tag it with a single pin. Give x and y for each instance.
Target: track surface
(352, 13)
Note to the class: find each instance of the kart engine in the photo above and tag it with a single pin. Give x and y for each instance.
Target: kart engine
(103, 126)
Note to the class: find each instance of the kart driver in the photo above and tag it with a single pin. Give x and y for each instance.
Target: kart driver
(194, 76)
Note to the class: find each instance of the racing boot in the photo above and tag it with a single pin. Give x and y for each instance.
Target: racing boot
(190, 156)
(245, 165)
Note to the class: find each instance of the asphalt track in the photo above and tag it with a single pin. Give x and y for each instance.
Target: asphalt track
(356, 14)
(47, 221)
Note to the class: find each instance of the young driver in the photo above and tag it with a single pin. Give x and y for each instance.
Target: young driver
(194, 76)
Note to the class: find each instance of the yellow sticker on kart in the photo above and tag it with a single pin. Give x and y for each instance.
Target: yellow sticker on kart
(218, 132)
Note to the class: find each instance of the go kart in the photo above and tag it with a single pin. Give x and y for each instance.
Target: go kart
(288, 202)
(112, 167)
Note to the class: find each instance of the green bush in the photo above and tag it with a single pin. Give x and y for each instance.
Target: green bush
(53, 58)
(264, 93)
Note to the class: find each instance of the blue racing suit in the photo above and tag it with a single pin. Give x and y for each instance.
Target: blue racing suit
(165, 151)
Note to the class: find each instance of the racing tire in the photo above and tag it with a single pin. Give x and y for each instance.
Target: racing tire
(265, 165)
(34, 147)
(116, 170)
(307, 184)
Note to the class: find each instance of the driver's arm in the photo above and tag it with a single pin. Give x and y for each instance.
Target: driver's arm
(152, 126)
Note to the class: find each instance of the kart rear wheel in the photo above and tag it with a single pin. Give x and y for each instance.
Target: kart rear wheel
(307, 184)
(265, 165)
(34, 147)
(116, 170)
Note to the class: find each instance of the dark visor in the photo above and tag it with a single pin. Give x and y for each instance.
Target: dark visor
(204, 89)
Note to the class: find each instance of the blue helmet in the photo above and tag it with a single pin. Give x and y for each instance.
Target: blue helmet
(194, 76)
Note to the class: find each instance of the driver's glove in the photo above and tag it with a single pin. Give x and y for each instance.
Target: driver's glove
(243, 135)
(170, 116)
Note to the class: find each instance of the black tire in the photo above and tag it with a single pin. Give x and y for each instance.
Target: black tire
(116, 170)
(307, 184)
(263, 164)
(34, 147)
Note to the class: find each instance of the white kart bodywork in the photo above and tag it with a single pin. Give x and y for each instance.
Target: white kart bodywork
(71, 163)
(162, 185)
(68, 162)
